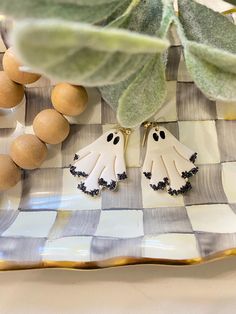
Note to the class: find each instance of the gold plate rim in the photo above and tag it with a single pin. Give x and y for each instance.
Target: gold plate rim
(115, 262)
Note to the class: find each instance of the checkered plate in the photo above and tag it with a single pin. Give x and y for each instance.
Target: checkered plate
(46, 222)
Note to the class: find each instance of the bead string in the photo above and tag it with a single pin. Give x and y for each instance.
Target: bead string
(13, 161)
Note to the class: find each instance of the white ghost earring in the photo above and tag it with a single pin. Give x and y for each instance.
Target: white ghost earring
(168, 164)
(102, 163)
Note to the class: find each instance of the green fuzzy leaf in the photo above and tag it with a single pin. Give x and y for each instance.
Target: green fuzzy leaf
(119, 13)
(205, 26)
(215, 83)
(55, 9)
(144, 95)
(118, 67)
(209, 41)
(129, 17)
(55, 34)
(81, 53)
(220, 58)
(150, 16)
(112, 93)
(145, 17)
(168, 16)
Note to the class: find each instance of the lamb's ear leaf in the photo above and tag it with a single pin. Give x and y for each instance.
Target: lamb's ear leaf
(142, 19)
(168, 15)
(112, 93)
(118, 14)
(209, 41)
(214, 83)
(222, 59)
(71, 11)
(152, 17)
(81, 53)
(144, 96)
(205, 26)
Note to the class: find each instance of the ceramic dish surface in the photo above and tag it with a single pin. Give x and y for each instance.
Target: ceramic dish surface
(45, 221)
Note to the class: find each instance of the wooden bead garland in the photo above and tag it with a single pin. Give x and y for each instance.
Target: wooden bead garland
(69, 99)
(11, 93)
(10, 174)
(28, 152)
(50, 126)
(11, 67)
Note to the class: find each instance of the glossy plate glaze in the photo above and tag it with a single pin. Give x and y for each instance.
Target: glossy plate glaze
(45, 221)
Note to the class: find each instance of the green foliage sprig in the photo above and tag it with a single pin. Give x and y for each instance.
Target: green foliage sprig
(120, 46)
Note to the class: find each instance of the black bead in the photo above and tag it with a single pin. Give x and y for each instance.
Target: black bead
(193, 157)
(111, 186)
(122, 176)
(81, 186)
(76, 157)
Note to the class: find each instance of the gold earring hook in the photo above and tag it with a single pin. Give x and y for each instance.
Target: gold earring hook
(147, 125)
(126, 132)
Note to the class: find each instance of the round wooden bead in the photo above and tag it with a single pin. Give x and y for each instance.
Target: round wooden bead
(70, 100)
(10, 174)
(51, 127)
(28, 152)
(11, 93)
(11, 67)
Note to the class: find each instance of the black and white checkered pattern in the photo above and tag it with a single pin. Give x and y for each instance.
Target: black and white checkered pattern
(45, 217)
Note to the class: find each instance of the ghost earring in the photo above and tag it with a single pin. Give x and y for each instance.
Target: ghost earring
(168, 164)
(102, 163)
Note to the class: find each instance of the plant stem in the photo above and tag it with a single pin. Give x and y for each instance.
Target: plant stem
(132, 5)
(167, 18)
(180, 29)
(119, 20)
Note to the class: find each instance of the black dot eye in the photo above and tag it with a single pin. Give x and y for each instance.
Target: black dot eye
(156, 137)
(110, 137)
(116, 140)
(162, 135)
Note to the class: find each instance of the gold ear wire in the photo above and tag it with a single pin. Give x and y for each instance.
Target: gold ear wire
(146, 126)
(126, 132)
(155, 124)
(127, 135)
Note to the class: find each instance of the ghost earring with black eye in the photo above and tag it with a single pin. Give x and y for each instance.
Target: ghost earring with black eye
(102, 163)
(168, 164)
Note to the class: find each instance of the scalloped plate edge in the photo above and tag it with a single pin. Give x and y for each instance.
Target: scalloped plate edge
(115, 262)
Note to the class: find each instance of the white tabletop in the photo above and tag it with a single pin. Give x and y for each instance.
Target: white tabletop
(209, 288)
